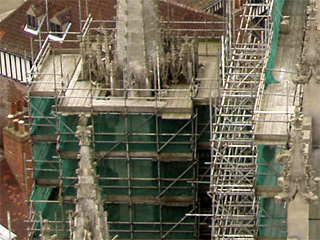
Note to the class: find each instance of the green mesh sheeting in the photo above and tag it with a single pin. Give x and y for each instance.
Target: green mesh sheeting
(203, 125)
(272, 219)
(272, 216)
(135, 133)
(115, 132)
(43, 119)
(276, 17)
(147, 221)
(171, 171)
(46, 167)
(139, 177)
(268, 168)
(56, 214)
(68, 127)
(40, 194)
(180, 143)
(143, 136)
(114, 169)
(69, 167)
(144, 177)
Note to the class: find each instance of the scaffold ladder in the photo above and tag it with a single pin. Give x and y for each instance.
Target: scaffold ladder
(233, 166)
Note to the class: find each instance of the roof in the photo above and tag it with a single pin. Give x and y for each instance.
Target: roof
(189, 21)
(14, 39)
(12, 199)
(64, 15)
(38, 7)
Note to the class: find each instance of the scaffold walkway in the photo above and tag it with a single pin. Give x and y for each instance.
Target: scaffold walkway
(235, 203)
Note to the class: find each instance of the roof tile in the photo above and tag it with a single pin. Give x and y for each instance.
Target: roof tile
(17, 41)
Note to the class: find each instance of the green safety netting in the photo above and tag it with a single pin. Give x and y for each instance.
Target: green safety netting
(68, 127)
(43, 119)
(171, 171)
(55, 213)
(268, 168)
(116, 132)
(180, 143)
(46, 166)
(272, 219)
(148, 221)
(272, 216)
(40, 194)
(276, 17)
(144, 177)
(144, 173)
(112, 134)
(135, 133)
(203, 124)
(146, 217)
(69, 167)
(113, 131)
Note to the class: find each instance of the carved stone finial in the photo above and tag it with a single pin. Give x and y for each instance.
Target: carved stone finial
(83, 131)
(312, 8)
(46, 231)
(46, 228)
(309, 62)
(296, 119)
(284, 157)
(87, 222)
(298, 176)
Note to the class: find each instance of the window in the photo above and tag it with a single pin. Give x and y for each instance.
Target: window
(32, 22)
(56, 29)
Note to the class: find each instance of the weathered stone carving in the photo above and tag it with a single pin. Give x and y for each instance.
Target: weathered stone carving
(137, 59)
(310, 61)
(99, 63)
(298, 177)
(89, 218)
(83, 131)
(46, 231)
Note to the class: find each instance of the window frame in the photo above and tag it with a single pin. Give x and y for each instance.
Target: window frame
(56, 29)
(32, 22)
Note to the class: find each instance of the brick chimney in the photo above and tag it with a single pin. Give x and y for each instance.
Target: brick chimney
(17, 145)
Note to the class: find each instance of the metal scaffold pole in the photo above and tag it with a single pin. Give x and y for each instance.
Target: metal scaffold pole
(233, 173)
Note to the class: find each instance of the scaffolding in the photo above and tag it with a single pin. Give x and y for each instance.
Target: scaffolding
(235, 205)
(146, 148)
(151, 150)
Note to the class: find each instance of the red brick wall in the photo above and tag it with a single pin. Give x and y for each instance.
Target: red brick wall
(16, 148)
